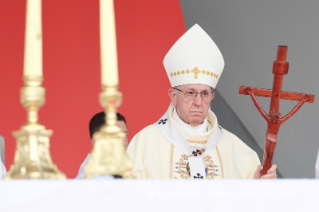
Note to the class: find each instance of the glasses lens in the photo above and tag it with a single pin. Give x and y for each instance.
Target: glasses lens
(206, 96)
(189, 94)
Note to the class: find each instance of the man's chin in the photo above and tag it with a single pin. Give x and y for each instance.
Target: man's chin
(195, 122)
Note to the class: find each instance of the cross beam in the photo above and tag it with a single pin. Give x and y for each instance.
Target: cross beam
(283, 95)
(274, 118)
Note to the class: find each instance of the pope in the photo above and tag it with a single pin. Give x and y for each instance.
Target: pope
(187, 142)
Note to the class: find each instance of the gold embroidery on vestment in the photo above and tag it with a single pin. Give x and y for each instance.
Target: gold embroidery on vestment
(211, 167)
(182, 167)
(184, 170)
(221, 163)
(197, 152)
(172, 154)
(197, 142)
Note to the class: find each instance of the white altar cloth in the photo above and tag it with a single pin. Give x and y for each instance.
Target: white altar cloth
(156, 195)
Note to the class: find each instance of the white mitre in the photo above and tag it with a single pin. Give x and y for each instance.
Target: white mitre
(194, 59)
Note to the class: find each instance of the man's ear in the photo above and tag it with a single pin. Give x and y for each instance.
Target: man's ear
(173, 96)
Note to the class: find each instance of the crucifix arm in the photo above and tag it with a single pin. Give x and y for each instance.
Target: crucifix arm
(296, 108)
(256, 102)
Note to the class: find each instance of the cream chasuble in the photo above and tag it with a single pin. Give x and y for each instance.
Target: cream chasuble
(164, 150)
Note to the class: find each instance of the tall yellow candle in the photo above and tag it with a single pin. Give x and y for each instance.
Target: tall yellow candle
(33, 40)
(108, 44)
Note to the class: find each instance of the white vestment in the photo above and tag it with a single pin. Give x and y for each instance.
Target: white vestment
(164, 150)
(2, 169)
(81, 173)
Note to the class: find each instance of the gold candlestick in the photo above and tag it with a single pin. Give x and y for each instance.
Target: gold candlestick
(108, 156)
(32, 158)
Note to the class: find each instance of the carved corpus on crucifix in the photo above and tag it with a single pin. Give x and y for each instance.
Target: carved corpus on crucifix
(274, 118)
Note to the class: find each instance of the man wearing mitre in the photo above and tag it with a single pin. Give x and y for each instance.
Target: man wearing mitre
(187, 142)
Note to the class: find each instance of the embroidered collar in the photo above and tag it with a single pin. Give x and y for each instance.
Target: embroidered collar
(170, 131)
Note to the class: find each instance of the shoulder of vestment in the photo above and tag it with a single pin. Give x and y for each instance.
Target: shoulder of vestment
(150, 131)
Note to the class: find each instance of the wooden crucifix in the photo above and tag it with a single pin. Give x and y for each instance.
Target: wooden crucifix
(274, 119)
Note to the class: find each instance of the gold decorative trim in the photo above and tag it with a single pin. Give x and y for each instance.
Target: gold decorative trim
(221, 163)
(172, 154)
(197, 142)
(196, 71)
(197, 152)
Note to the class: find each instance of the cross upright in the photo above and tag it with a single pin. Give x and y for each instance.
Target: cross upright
(196, 71)
(274, 119)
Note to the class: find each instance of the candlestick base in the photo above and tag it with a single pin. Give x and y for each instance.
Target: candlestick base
(32, 158)
(108, 156)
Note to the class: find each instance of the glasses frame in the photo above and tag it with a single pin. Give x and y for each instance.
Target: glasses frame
(184, 92)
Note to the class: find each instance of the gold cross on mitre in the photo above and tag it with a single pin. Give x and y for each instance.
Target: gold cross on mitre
(196, 71)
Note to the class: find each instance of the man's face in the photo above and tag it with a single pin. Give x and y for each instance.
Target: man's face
(123, 127)
(194, 111)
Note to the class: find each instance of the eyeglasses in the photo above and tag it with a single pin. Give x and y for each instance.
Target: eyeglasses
(191, 95)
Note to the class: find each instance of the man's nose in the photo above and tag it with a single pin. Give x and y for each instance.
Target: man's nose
(198, 100)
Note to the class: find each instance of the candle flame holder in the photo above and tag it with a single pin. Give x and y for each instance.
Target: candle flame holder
(32, 158)
(108, 156)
